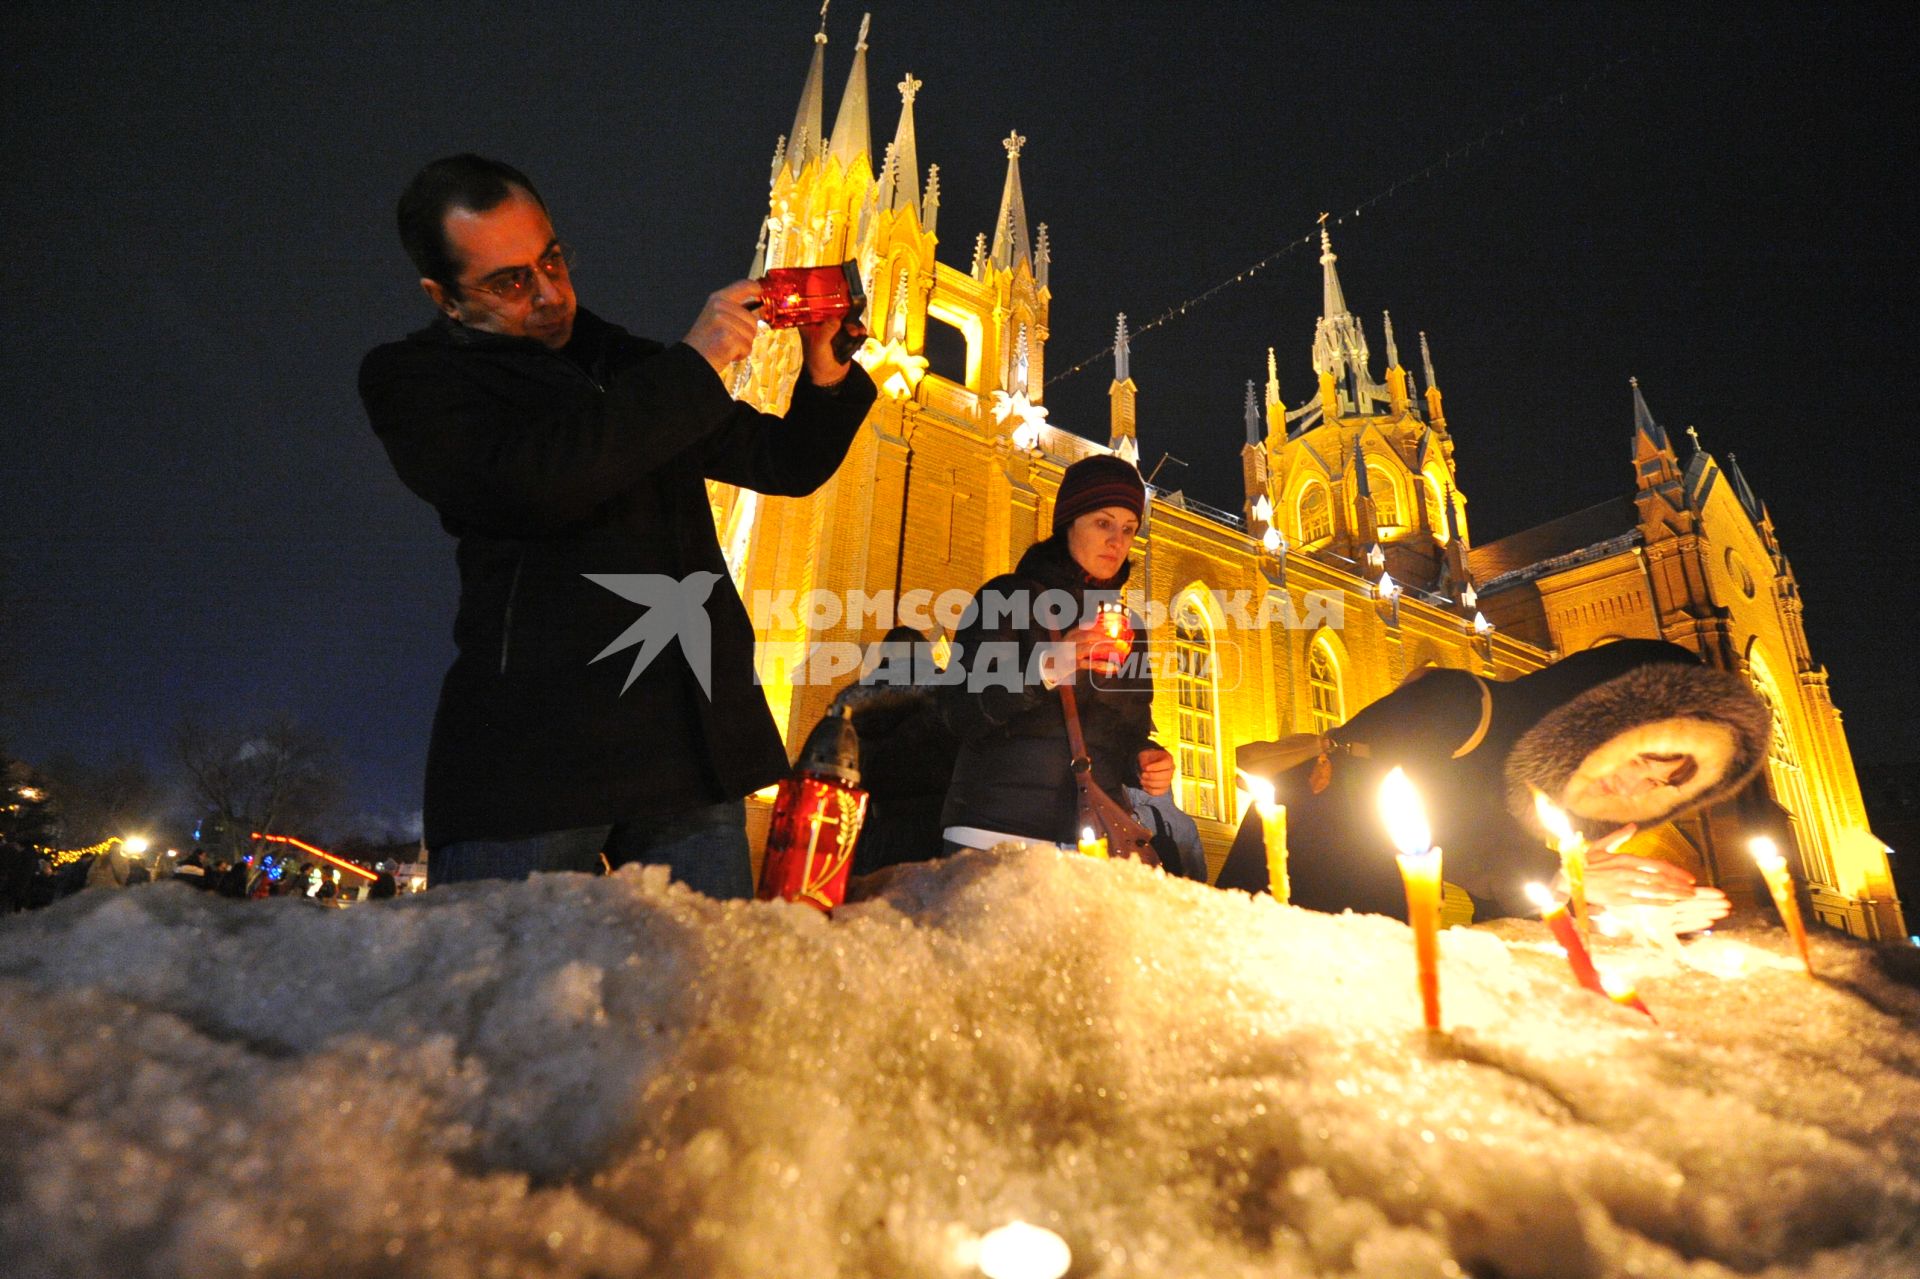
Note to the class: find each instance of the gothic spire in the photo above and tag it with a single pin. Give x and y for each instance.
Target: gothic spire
(1426, 360)
(1393, 351)
(930, 206)
(1042, 258)
(1010, 247)
(1332, 301)
(1742, 490)
(804, 140)
(1643, 423)
(904, 190)
(851, 138)
(1253, 416)
(1273, 378)
(1122, 413)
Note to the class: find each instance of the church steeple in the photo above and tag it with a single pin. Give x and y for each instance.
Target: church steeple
(1397, 393)
(1340, 340)
(1122, 397)
(1435, 414)
(1644, 427)
(1010, 245)
(1742, 490)
(1276, 411)
(900, 187)
(1654, 462)
(804, 140)
(851, 136)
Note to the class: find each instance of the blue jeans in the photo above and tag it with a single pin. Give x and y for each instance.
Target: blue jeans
(705, 848)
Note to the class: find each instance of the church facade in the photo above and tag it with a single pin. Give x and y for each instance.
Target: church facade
(1349, 567)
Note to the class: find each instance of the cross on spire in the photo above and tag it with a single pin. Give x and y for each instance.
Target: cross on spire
(1013, 142)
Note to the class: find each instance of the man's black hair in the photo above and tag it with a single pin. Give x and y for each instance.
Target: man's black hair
(464, 181)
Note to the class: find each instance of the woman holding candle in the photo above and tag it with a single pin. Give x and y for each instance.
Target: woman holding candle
(1012, 780)
(1634, 732)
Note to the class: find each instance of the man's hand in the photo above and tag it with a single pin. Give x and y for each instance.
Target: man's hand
(1156, 771)
(826, 365)
(723, 331)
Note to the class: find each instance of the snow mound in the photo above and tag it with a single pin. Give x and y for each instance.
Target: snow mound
(612, 1077)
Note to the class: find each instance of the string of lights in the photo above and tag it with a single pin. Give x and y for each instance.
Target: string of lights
(1526, 119)
(68, 856)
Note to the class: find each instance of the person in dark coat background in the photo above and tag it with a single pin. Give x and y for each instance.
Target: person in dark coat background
(1012, 779)
(907, 752)
(555, 446)
(1636, 732)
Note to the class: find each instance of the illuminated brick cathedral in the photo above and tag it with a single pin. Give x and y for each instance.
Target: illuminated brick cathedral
(1350, 566)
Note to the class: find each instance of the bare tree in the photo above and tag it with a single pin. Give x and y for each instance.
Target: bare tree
(270, 778)
(119, 797)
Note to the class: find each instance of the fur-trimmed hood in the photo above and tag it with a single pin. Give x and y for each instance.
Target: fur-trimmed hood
(1662, 707)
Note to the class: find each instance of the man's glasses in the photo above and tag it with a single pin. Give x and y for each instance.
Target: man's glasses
(515, 284)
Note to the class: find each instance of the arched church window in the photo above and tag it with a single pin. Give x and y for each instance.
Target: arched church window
(1199, 730)
(1386, 495)
(1316, 516)
(1324, 697)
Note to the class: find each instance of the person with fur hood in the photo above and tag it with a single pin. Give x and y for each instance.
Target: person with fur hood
(1624, 736)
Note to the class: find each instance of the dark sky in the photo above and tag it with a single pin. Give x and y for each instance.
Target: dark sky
(199, 247)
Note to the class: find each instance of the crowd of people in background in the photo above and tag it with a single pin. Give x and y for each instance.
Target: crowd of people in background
(30, 878)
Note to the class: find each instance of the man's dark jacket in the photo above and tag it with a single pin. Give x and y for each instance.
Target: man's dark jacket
(551, 465)
(1013, 773)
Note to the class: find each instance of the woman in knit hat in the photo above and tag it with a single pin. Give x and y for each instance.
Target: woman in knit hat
(1012, 780)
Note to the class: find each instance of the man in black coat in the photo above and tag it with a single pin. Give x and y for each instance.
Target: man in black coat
(570, 459)
(1632, 733)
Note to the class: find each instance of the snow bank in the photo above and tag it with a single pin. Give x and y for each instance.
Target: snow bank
(613, 1077)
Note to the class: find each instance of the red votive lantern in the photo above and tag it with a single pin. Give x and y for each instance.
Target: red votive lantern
(795, 295)
(816, 819)
(1116, 634)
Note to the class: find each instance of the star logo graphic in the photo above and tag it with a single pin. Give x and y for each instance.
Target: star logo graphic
(676, 608)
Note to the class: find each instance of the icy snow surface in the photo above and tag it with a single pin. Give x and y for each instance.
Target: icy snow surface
(616, 1077)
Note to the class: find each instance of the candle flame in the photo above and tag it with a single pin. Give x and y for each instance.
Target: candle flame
(1540, 896)
(1553, 819)
(1259, 787)
(1018, 1250)
(1405, 816)
(1766, 853)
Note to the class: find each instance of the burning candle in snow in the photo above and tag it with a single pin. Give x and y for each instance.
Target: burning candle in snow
(1021, 1251)
(1555, 915)
(1406, 821)
(1572, 847)
(1773, 869)
(1092, 845)
(1273, 830)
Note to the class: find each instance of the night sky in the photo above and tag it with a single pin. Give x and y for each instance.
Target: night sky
(199, 247)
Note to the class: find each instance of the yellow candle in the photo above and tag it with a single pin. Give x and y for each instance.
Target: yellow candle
(1273, 831)
(1773, 869)
(1572, 847)
(1092, 845)
(1406, 821)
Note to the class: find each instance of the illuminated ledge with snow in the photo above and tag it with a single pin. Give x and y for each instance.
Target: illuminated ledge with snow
(614, 1077)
